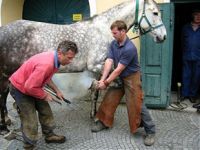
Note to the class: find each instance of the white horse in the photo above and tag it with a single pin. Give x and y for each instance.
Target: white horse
(21, 39)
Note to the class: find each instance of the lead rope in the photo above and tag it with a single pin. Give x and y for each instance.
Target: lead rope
(136, 24)
(135, 27)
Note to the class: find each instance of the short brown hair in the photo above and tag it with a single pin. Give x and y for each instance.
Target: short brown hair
(67, 45)
(121, 25)
(195, 11)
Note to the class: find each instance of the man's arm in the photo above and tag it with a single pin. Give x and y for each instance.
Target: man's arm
(106, 69)
(115, 73)
(103, 83)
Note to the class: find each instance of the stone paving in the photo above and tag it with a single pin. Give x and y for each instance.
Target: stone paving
(176, 130)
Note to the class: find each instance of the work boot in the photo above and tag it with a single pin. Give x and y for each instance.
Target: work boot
(184, 98)
(193, 99)
(149, 139)
(53, 138)
(98, 126)
(28, 146)
(197, 106)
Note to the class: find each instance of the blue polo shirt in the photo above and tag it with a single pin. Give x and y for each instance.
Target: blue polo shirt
(190, 43)
(125, 54)
(56, 62)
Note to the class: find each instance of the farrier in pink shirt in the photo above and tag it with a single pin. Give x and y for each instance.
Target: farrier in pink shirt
(31, 77)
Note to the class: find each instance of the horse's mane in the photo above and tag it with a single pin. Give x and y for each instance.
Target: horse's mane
(156, 4)
(96, 15)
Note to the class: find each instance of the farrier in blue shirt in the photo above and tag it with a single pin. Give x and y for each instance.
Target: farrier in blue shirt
(125, 54)
(190, 43)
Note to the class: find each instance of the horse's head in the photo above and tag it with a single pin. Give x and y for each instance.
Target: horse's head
(150, 21)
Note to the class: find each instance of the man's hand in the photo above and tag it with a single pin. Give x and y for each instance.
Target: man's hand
(53, 87)
(48, 98)
(59, 94)
(101, 85)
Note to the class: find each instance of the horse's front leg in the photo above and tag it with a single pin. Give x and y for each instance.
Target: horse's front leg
(93, 98)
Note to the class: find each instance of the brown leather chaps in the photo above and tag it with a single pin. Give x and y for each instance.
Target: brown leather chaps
(132, 90)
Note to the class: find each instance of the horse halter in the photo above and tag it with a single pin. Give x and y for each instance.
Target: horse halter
(136, 24)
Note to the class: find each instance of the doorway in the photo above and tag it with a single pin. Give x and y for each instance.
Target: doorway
(183, 13)
(56, 11)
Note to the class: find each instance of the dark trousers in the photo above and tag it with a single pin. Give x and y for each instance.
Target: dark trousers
(27, 107)
(191, 78)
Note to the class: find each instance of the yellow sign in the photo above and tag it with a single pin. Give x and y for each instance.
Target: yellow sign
(77, 17)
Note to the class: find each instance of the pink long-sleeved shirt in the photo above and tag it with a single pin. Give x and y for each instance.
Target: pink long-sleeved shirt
(31, 77)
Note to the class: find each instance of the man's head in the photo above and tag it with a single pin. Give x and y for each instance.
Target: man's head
(66, 52)
(196, 16)
(119, 29)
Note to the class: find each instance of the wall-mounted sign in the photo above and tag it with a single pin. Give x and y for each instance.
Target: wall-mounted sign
(77, 17)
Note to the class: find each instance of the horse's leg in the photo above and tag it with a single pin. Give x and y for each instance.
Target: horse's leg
(4, 93)
(93, 97)
(96, 96)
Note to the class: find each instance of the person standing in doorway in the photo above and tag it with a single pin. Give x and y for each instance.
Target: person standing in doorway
(191, 58)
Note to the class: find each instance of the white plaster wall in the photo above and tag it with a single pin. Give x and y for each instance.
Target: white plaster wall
(93, 7)
(11, 10)
(0, 11)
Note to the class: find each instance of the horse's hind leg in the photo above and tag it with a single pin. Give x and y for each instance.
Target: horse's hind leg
(4, 93)
(4, 97)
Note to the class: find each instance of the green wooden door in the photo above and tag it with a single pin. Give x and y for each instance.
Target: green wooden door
(156, 63)
(55, 11)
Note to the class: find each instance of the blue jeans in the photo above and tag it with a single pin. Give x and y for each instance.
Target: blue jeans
(147, 121)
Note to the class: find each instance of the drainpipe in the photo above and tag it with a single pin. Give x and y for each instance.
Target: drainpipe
(0, 11)
(93, 7)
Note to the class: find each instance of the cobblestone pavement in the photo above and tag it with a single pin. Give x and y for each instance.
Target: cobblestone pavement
(175, 130)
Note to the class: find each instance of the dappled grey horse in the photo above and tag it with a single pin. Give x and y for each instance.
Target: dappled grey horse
(21, 39)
